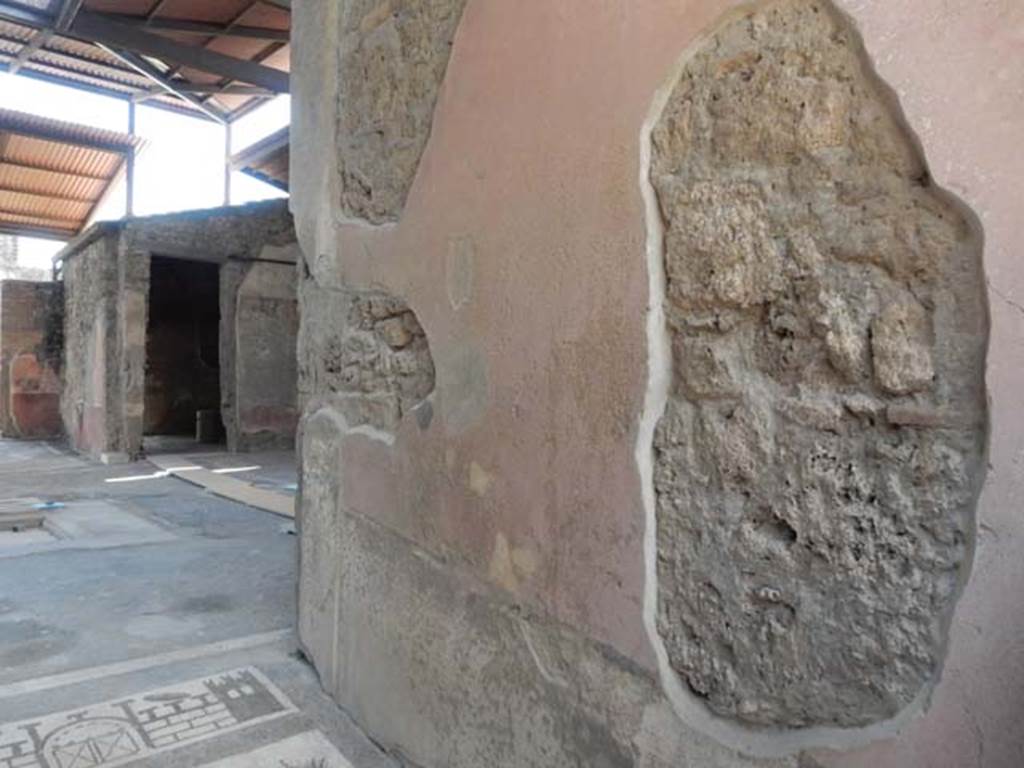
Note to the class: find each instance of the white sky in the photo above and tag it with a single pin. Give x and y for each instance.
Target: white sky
(180, 168)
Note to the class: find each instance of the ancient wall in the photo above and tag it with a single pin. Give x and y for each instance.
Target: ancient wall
(259, 326)
(90, 382)
(644, 409)
(107, 282)
(31, 331)
(213, 234)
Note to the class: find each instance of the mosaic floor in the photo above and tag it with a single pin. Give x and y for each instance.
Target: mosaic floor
(116, 732)
(146, 621)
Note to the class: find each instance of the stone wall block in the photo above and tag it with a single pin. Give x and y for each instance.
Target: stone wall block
(809, 549)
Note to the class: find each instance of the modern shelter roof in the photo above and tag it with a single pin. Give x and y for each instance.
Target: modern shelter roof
(266, 160)
(53, 174)
(216, 60)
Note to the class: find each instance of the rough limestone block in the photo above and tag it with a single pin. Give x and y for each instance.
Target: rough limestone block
(394, 54)
(364, 350)
(819, 455)
(901, 348)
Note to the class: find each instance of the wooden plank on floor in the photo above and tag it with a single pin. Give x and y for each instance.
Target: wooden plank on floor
(226, 486)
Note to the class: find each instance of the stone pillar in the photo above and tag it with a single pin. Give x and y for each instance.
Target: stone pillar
(132, 301)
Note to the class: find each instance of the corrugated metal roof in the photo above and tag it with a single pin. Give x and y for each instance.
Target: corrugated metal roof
(266, 160)
(247, 31)
(53, 173)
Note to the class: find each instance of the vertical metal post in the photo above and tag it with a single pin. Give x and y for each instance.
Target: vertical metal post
(227, 163)
(130, 166)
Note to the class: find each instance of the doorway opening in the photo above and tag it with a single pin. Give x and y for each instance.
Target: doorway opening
(182, 393)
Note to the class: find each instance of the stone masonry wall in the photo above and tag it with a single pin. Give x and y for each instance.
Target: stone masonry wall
(263, 410)
(393, 58)
(107, 283)
(643, 408)
(90, 374)
(820, 454)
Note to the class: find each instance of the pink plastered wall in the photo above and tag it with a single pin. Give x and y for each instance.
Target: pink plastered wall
(521, 249)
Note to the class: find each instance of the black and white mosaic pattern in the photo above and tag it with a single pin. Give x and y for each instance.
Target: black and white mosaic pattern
(122, 730)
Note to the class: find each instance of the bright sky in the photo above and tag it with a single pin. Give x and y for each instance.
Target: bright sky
(180, 168)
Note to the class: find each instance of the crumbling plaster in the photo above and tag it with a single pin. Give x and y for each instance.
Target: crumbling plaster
(520, 250)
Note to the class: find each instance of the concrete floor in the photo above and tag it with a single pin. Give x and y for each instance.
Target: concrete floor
(167, 586)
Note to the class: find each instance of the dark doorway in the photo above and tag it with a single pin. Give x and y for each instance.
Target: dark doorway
(182, 348)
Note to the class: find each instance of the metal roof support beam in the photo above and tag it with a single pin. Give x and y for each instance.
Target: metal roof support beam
(43, 134)
(30, 230)
(74, 60)
(24, 15)
(66, 17)
(55, 80)
(203, 28)
(57, 223)
(38, 41)
(175, 107)
(143, 67)
(129, 166)
(95, 28)
(214, 88)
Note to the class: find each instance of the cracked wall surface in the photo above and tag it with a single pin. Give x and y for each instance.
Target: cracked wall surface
(820, 452)
(393, 57)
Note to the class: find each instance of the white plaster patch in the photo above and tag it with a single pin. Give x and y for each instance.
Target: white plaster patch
(306, 749)
(136, 727)
(458, 271)
(371, 432)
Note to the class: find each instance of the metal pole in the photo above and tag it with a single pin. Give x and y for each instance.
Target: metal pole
(130, 166)
(227, 164)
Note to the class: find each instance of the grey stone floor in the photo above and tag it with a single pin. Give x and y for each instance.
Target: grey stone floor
(169, 584)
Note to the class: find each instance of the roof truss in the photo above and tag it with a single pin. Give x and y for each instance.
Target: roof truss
(136, 49)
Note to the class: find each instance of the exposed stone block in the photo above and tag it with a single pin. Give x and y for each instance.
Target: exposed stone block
(367, 351)
(813, 524)
(901, 349)
(393, 57)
